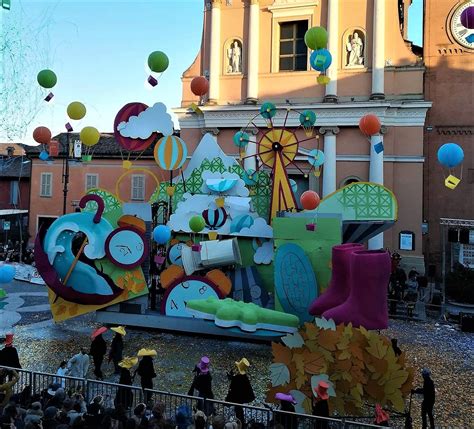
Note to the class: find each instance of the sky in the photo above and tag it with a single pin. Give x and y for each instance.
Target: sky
(99, 48)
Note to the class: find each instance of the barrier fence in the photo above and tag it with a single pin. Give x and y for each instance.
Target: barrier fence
(256, 417)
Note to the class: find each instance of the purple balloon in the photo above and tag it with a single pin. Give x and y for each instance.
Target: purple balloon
(467, 18)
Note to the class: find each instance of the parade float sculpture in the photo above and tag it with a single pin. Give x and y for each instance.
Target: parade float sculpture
(277, 148)
(360, 366)
(91, 259)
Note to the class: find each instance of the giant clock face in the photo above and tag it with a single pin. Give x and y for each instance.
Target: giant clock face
(462, 24)
(174, 254)
(186, 289)
(126, 247)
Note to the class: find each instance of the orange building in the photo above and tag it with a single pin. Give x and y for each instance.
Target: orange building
(253, 51)
(103, 171)
(449, 58)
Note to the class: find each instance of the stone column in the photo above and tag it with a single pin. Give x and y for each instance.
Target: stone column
(329, 168)
(333, 47)
(378, 58)
(376, 176)
(215, 52)
(253, 56)
(251, 149)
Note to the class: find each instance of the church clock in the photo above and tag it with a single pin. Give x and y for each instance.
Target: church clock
(462, 24)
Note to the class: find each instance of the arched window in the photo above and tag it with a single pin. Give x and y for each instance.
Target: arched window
(349, 180)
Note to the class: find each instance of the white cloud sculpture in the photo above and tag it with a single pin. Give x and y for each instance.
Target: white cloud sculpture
(153, 119)
(264, 253)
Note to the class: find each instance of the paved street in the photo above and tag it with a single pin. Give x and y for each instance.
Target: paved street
(25, 304)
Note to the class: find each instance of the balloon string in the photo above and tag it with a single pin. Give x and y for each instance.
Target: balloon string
(139, 155)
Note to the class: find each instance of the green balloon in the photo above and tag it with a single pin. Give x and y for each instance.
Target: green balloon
(158, 61)
(316, 38)
(47, 78)
(197, 223)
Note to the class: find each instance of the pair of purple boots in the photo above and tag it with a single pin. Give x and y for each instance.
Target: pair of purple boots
(357, 292)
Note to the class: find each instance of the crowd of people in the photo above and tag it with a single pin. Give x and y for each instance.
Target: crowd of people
(402, 288)
(16, 252)
(62, 405)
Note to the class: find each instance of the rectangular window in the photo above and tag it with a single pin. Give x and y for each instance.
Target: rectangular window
(293, 51)
(46, 185)
(92, 181)
(14, 192)
(138, 187)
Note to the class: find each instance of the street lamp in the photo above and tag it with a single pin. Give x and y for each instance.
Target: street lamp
(66, 172)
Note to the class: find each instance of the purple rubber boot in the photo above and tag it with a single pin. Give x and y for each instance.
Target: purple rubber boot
(338, 289)
(367, 302)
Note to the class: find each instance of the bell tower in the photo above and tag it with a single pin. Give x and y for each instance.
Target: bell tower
(448, 53)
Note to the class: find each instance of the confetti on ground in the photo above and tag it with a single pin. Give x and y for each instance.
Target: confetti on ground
(448, 353)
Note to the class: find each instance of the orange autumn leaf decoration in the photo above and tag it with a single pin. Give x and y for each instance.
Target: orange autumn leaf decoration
(360, 364)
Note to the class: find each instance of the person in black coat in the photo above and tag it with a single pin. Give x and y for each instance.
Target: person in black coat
(287, 404)
(116, 349)
(202, 383)
(9, 355)
(320, 404)
(146, 371)
(98, 351)
(429, 394)
(240, 389)
(124, 394)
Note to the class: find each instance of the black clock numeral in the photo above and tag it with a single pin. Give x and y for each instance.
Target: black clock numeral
(185, 285)
(463, 32)
(173, 305)
(203, 289)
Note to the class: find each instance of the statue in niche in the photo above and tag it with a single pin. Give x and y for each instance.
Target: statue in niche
(355, 50)
(234, 58)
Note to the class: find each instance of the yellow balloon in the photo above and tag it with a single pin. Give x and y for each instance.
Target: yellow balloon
(76, 110)
(90, 136)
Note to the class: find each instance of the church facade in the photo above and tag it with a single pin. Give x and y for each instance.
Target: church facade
(253, 51)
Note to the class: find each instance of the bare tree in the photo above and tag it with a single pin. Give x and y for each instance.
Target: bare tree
(24, 51)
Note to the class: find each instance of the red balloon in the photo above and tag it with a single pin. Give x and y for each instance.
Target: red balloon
(310, 200)
(128, 143)
(42, 135)
(199, 86)
(370, 125)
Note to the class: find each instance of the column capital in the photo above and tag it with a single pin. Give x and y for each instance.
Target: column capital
(251, 2)
(216, 3)
(330, 131)
(383, 130)
(214, 131)
(253, 131)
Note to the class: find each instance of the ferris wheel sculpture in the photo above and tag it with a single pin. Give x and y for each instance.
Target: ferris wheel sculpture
(277, 148)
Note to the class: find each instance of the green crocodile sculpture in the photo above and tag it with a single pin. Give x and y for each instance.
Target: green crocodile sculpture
(249, 317)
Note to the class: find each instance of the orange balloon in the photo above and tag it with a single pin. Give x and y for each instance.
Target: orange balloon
(199, 86)
(370, 125)
(310, 200)
(42, 135)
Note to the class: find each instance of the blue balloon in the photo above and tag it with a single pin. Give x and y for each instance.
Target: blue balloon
(162, 234)
(321, 60)
(450, 155)
(7, 273)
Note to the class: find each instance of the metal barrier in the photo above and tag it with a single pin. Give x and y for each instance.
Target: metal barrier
(130, 396)
(113, 394)
(173, 402)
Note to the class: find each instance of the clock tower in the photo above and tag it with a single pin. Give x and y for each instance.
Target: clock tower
(448, 51)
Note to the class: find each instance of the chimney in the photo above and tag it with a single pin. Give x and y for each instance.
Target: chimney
(10, 151)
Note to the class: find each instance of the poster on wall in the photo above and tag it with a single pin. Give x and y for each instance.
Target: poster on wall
(407, 240)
